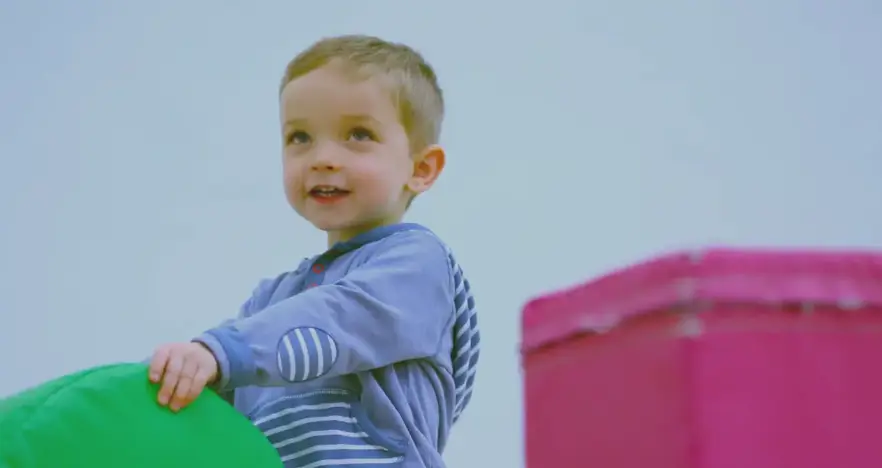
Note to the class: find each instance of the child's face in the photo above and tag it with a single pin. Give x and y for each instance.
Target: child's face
(346, 159)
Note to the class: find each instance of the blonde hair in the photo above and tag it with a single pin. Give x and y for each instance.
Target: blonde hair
(414, 85)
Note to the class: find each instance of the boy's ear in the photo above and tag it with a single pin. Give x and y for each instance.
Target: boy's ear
(427, 166)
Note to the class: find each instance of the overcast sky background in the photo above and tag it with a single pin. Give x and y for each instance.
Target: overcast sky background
(141, 200)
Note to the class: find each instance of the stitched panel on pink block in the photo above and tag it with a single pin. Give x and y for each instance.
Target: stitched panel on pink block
(724, 359)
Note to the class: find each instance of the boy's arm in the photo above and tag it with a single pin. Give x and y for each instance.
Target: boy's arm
(245, 310)
(396, 307)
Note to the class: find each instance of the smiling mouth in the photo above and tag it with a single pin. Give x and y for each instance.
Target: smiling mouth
(322, 193)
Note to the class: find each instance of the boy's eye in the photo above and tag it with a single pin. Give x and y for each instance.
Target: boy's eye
(298, 137)
(361, 134)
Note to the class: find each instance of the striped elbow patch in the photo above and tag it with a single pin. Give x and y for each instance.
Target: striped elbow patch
(305, 353)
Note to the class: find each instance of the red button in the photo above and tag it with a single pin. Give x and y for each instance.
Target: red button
(312, 285)
(318, 268)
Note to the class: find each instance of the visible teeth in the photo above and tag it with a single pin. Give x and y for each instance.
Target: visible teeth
(326, 191)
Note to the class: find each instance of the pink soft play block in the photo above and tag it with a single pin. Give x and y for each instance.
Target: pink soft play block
(714, 359)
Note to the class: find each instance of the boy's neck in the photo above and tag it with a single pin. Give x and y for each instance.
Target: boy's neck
(335, 237)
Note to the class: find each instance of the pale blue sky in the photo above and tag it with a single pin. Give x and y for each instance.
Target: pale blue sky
(140, 195)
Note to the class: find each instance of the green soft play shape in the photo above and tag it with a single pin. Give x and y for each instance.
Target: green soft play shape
(107, 417)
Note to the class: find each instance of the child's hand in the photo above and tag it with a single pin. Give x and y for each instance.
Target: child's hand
(184, 370)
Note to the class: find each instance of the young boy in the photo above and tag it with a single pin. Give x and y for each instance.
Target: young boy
(366, 354)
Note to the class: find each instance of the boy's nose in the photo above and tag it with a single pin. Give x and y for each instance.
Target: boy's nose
(326, 159)
(325, 167)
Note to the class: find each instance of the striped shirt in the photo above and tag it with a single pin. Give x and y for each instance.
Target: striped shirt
(363, 356)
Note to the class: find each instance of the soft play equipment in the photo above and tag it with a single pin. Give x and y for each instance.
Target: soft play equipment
(721, 358)
(107, 417)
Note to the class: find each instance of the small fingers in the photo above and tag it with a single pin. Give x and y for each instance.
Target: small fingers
(170, 379)
(185, 384)
(197, 385)
(158, 363)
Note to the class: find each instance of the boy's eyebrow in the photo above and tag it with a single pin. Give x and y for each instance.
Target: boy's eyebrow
(296, 122)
